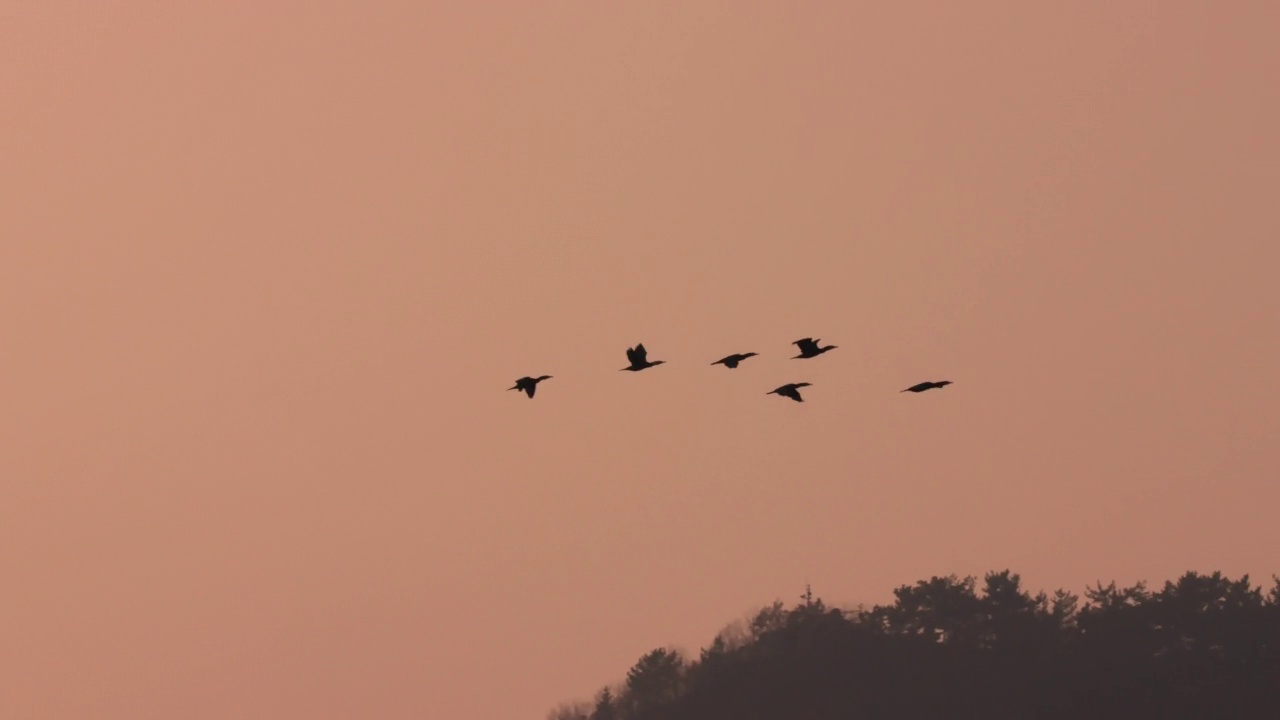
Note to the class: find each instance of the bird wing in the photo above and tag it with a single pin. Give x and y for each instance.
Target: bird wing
(641, 353)
(802, 342)
(791, 392)
(631, 355)
(530, 388)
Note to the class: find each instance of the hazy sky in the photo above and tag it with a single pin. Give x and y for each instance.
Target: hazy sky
(268, 269)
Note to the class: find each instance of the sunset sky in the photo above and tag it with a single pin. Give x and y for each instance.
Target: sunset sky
(267, 270)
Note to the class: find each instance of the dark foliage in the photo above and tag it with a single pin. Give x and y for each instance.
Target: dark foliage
(1204, 646)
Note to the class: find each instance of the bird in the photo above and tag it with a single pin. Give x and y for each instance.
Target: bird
(791, 390)
(731, 361)
(529, 384)
(921, 387)
(809, 348)
(639, 358)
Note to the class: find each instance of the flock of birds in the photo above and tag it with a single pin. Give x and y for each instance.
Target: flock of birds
(809, 348)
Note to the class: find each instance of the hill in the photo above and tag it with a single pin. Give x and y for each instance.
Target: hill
(1203, 646)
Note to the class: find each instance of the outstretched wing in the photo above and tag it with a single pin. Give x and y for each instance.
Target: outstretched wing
(631, 355)
(530, 388)
(787, 391)
(803, 341)
(641, 353)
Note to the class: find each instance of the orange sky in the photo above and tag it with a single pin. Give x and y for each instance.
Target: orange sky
(268, 269)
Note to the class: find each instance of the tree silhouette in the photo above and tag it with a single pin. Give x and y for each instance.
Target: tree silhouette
(769, 619)
(606, 708)
(655, 680)
(1203, 646)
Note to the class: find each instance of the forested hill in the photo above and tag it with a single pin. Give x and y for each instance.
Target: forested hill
(1204, 647)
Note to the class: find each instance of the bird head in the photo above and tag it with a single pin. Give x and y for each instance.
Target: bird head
(942, 383)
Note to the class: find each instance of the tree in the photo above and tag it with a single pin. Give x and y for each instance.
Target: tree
(732, 636)
(768, 619)
(941, 608)
(1064, 607)
(605, 708)
(657, 678)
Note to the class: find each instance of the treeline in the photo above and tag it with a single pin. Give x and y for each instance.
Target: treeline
(1204, 646)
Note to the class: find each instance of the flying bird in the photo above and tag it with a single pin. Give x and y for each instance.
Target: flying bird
(731, 361)
(791, 390)
(529, 384)
(639, 358)
(809, 348)
(921, 387)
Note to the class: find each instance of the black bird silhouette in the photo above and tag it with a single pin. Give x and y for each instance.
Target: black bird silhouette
(809, 348)
(529, 384)
(791, 390)
(731, 361)
(921, 387)
(639, 358)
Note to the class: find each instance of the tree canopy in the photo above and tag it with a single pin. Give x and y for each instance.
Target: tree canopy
(1203, 646)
